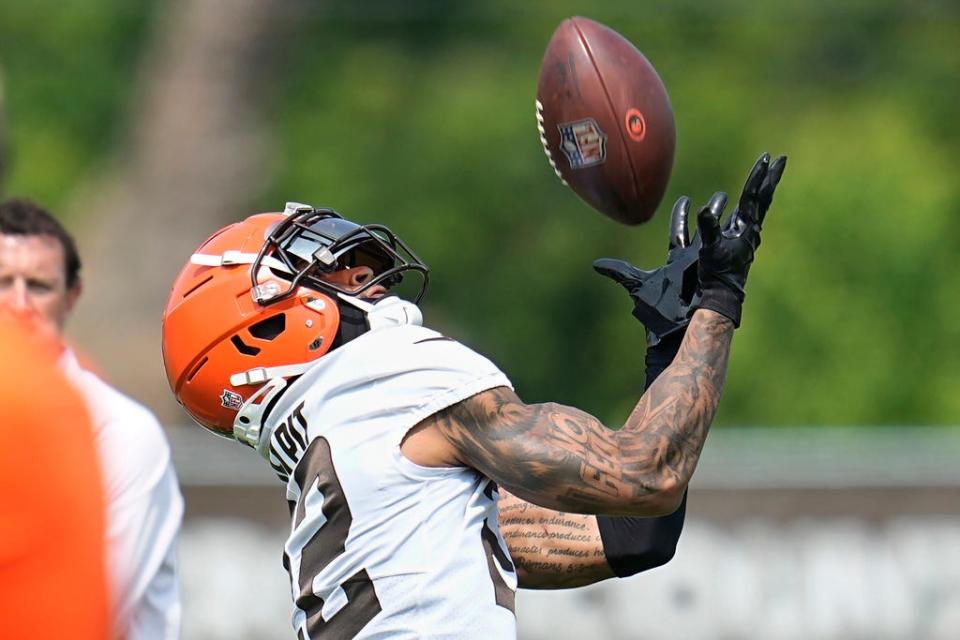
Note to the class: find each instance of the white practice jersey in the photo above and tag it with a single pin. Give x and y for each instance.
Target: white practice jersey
(144, 509)
(381, 547)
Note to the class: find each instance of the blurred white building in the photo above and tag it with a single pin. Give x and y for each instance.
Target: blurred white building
(792, 534)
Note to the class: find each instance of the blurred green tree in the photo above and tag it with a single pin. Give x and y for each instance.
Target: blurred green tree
(68, 67)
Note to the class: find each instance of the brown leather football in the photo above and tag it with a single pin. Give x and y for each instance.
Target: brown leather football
(605, 120)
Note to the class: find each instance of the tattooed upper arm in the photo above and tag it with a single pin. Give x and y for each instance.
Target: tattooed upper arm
(563, 458)
(554, 456)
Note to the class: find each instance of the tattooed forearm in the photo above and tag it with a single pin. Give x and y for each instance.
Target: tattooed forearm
(562, 458)
(552, 549)
(672, 418)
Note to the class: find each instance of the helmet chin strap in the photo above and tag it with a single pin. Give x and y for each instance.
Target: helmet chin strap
(390, 311)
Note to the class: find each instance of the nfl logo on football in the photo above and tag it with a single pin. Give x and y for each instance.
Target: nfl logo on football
(583, 143)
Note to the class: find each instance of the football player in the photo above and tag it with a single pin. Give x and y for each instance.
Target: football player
(40, 279)
(290, 333)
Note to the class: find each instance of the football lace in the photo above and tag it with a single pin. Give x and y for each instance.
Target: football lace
(543, 141)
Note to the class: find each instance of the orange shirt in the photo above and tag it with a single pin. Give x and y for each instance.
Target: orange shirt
(53, 581)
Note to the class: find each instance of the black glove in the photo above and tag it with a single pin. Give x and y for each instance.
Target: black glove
(663, 298)
(727, 251)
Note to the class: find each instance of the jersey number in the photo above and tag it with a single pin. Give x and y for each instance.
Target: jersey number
(326, 543)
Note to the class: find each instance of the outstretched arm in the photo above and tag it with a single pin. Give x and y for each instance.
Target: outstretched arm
(563, 458)
(554, 549)
(559, 550)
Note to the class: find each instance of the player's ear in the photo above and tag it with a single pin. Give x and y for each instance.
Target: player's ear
(73, 294)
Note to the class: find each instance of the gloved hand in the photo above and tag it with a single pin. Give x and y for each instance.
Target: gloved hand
(663, 298)
(726, 252)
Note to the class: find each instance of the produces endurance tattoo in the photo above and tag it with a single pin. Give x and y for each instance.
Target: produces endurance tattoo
(552, 549)
(563, 458)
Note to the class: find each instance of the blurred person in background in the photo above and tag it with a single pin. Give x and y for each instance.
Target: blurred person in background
(51, 498)
(422, 490)
(40, 278)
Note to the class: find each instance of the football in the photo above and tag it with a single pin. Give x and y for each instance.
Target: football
(605, 120)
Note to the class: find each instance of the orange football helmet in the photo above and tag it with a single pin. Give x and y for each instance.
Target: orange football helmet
(249, 310)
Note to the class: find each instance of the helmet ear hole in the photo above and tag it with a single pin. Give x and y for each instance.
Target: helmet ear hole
(270, 328)
(245, 349)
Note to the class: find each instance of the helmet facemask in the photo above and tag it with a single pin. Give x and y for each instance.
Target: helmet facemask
(310, 243)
